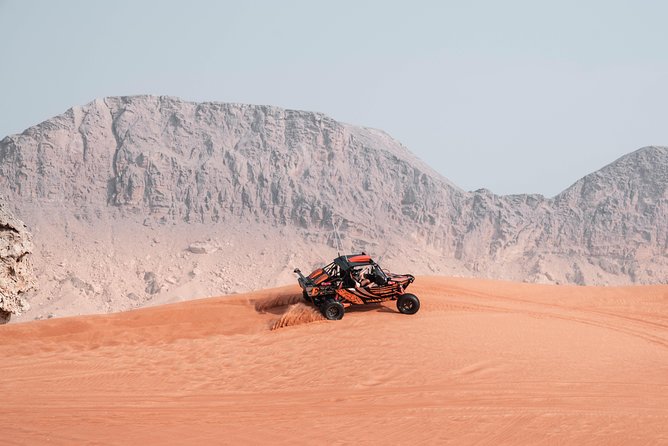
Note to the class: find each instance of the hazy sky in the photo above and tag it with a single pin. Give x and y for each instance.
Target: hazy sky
(514, 96)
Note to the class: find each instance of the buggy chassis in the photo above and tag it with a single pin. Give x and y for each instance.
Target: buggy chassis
(355, 280)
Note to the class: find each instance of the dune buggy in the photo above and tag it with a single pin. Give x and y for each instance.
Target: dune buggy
(355, 280)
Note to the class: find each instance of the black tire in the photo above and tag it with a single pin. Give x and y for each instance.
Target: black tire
(332, 310)
(306, 296)
(408, 304)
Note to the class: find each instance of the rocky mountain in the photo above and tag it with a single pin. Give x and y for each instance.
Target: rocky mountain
(137, 200)
(16, 274)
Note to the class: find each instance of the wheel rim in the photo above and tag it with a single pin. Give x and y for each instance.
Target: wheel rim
(407, 305)
(332, 312)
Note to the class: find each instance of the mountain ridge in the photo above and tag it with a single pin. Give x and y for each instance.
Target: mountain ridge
(150, 167)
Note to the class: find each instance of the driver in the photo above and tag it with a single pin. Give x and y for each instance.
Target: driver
(365, 276)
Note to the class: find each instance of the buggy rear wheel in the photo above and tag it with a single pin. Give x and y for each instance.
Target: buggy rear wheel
(408, 304)
(332, 310)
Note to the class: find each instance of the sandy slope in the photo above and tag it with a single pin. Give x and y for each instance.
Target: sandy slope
(483, 362)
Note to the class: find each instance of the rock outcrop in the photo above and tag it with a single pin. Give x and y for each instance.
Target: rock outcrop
(16, 275)
(127, 186)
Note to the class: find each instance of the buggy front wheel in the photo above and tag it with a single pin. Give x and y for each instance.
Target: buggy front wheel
(408, 304)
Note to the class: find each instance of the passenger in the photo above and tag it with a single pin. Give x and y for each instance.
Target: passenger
(349, 280)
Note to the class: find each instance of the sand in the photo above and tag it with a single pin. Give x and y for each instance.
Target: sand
(483, 362)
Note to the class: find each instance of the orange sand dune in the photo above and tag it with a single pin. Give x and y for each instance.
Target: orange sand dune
(483, 362)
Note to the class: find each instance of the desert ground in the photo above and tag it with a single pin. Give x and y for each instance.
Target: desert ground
(483, 362)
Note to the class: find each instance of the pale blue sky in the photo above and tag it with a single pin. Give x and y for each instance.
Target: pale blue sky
(515, 96)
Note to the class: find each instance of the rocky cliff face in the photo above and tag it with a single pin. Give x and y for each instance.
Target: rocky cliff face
(617, 218)
(176, 161)
(149, 176)
(16, 275)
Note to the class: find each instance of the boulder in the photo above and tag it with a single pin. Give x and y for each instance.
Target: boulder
(16, 273)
